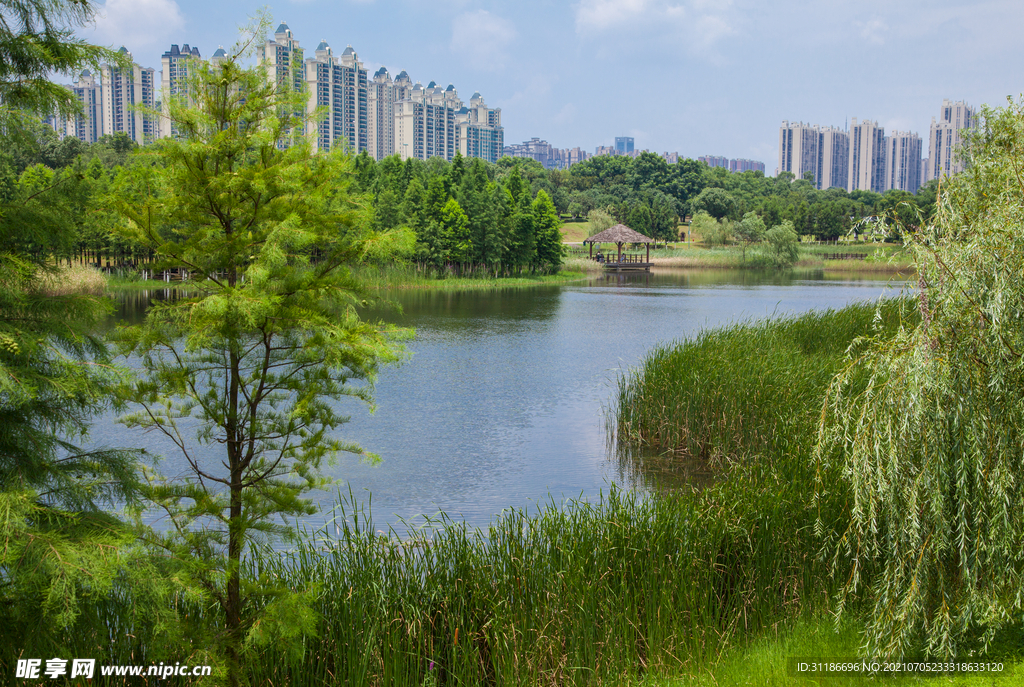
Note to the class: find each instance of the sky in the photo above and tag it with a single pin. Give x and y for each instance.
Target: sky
(697, 77)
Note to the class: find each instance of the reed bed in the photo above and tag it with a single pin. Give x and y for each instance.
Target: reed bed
(581, 264)
(608, 592)
(746, 390)
(74, 280)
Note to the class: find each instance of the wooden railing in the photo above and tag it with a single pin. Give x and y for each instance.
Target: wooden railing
(844, 256)
(627, 259)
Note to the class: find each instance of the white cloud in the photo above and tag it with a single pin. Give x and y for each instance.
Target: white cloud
(482, 38)
(138, 24)
(697, 24)
(873, 30)
(601, 15)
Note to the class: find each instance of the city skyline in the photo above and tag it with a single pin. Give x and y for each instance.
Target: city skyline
(577, 74)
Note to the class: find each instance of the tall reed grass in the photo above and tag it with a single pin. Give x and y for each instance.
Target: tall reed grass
(77, 279)
(613, 591)
(745, 390)
(586, 594)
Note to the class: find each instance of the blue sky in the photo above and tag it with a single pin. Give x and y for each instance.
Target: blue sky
(695, 76)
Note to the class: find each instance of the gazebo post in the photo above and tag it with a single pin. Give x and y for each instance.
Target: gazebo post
(619, 244)
(591, 250)
(648, 252)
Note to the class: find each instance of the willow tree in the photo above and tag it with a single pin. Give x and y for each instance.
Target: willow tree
(244, 375)
(928, 428)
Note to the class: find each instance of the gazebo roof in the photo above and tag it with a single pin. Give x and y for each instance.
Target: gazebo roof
(620, 233)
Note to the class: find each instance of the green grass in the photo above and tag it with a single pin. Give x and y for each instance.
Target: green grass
(575, 232)
(769, 661)
(123, 284)
(881, 258)
(748, 389)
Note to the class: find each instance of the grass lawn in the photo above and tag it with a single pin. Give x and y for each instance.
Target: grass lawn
(769, 661)
(575, 232)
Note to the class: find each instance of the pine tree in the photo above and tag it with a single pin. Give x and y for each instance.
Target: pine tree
(59, 548)
(256, 357)
(549, 239)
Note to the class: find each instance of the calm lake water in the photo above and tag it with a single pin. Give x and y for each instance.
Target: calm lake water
(503, 401)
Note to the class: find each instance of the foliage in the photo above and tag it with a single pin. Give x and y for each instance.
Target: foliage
(37, 38)
(714, 201)
(782, 245)
(599, 221)
(930, 449)
(549, 238)
(60, 550)
(254, 360)
(750, 230)
(711, 231)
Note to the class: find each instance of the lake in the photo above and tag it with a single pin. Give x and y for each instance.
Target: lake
(502, 403)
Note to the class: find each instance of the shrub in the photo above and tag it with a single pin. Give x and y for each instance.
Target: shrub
(782, 245)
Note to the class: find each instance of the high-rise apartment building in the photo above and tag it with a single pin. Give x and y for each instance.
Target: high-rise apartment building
(833, 158)
(88, 126)
(715, 160)
(733, 165)
(339, 87)
(425, 124)
(742, 165)
(282, 58)
(863, 158)
(380, 115)
(902, 161)
(113, 103)
(798, 149)
(175, 66)
(623, 145)
(946, 136)
(480, 131)
(867, 157)
(124, 93)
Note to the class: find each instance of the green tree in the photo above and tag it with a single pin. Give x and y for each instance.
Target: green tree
(599, 221)
(549, 238)
(522, 249)
(711, 231)
(926, 428)
(516, 186)
(256, 356)
(639, 219)
(750, 230)
(782, 245)
(714, 201)
(413, 205)
(455, 233)
(60, 550)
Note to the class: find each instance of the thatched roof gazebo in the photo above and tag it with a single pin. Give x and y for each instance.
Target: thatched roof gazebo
(621, 234)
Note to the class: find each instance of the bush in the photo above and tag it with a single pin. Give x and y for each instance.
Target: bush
(782, 245)
(599, 221)
(711, 231)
